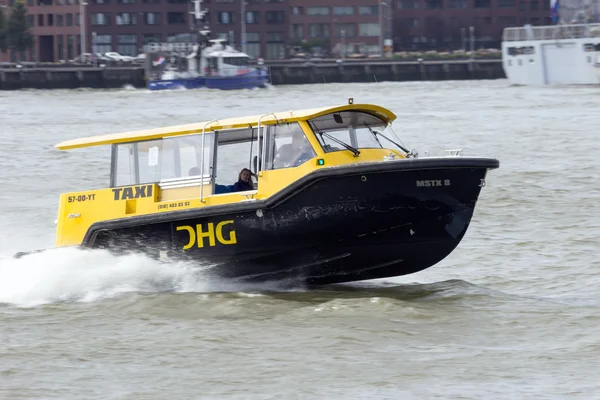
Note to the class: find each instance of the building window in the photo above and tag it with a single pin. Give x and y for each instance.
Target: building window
(458, 4)
(151, 1)
(343, 10)
(127, 45)
(61, 47)
(274, 36)
(225, 17)
(275, 51)
(408, 4)
(101, 1)
(100, 19)
(150, 38)
(297, 10)
(70, 46)
(102, 43)
(275, 17)
(368, 10)
(349, 30)
(433, 4)
(78, 19)
(30, 21)
(253, 44)
(40, 20)
(319, 30)
(317, 10)
(368, 29)
(297, 31)
(175, 18)
(152, 18)
(535, 5)
(252, 17)
(482, 4)
(124, 1)
(506, 3)
(50, 19)
(69, 19)
(126, 18)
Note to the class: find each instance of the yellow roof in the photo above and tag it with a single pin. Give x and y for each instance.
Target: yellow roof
(223, 124)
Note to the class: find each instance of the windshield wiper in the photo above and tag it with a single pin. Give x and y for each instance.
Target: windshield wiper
(375, 133)
(347, 146)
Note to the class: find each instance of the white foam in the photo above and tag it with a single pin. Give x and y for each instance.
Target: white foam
(70, 274)
(84, 275)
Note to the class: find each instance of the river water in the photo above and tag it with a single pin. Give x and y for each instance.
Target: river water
(513, 312)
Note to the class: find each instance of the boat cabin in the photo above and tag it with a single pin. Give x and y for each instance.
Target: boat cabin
(197, 165)
(222, 60)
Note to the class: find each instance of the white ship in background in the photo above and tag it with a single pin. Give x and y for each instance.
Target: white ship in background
(565, 53)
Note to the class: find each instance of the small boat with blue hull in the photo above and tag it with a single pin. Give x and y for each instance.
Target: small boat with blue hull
(201, 62)
(335, 197)
(257, 78)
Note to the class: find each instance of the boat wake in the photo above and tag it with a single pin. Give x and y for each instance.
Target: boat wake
(74, 275)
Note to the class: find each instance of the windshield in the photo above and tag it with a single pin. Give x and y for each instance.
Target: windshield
(353, 130)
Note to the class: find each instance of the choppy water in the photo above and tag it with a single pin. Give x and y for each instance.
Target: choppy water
(514, 312)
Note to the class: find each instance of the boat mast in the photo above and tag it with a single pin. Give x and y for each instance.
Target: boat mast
(201, 29)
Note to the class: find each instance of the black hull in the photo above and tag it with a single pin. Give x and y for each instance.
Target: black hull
(335, 225)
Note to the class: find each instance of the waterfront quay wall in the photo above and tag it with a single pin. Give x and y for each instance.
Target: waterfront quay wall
(281, 73)
(71, 78)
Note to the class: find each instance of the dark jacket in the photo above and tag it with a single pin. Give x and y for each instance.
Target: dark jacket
(241, 186)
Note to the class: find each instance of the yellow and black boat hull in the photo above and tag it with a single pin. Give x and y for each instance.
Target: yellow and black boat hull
(334, 225)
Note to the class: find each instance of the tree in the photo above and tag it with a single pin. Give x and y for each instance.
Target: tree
(3, 44)
(18, 36)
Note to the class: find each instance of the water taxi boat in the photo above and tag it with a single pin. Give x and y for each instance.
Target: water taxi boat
(336, 197)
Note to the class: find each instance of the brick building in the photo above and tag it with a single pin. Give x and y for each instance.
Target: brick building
(266, 25)
(276, 28)
(445, 24)
(340, 26)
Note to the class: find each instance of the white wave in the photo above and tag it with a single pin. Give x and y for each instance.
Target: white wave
(84, 275)
(69, 274)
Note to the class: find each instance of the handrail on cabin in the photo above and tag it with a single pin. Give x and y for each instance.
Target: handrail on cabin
(202, 158)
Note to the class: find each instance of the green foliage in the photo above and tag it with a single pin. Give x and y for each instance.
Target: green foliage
(3, 43)
(18, 36)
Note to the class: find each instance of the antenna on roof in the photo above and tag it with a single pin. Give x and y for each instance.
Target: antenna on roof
(198, 13)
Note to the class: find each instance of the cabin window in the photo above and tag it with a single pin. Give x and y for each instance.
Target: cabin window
(157, 160)
(236, 150)
(358, 129)
(289, 146)
(239, 61)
